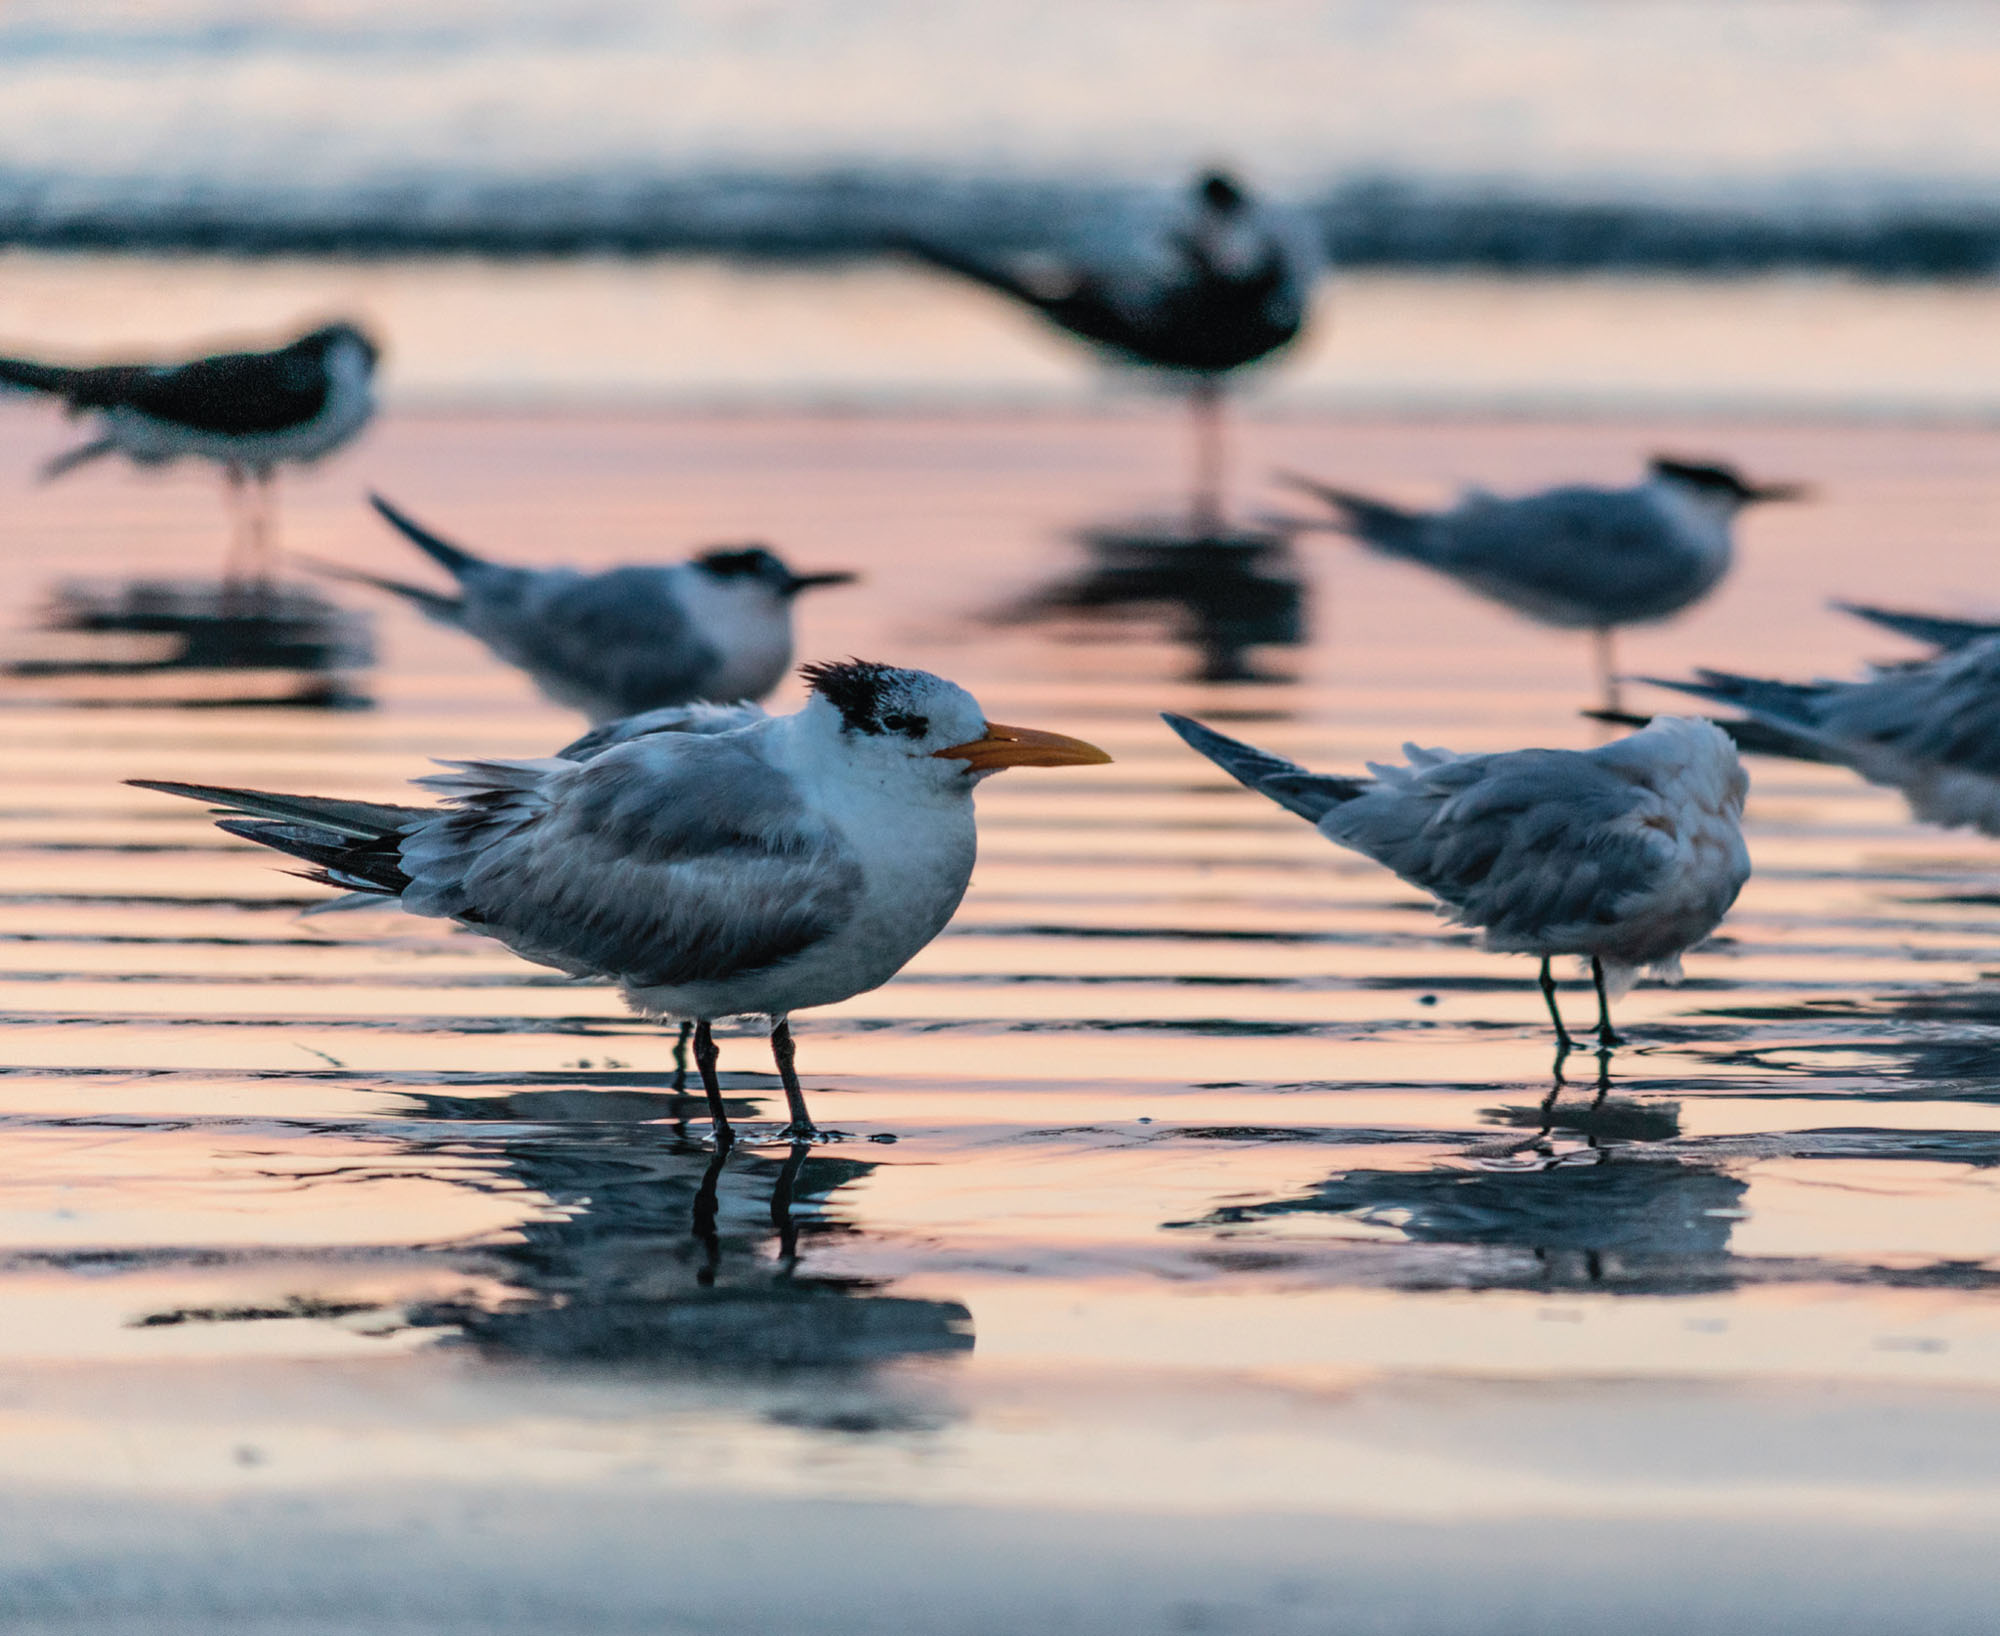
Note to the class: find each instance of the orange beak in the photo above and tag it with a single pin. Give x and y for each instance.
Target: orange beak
(1023, 747)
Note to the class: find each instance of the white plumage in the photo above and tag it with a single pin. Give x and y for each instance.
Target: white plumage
(786, 862)
(1626, 855)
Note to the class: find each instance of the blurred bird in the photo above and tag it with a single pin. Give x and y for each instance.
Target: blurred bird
(627, 640)
(1575, 557)
(1627, 854)
(795, 861)
(248, 412)
(1215, 286)
(1930, 729)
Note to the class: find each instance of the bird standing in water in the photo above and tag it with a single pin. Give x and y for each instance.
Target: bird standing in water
(794, 861)
(1203, 292)
(1575, 557)
(1628, 854)
(613, 644)
(247, 412)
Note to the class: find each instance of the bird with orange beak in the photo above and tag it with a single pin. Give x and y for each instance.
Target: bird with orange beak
(791, 862)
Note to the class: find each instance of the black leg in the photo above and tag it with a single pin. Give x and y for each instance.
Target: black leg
(1607, 1036)
(263, 530)
(1563, 1041)
(1607, 668)
(681, 1058)
(703, 1223)
(1205, 398)
(781, 1202)
(801, 1129)
(705, 1058)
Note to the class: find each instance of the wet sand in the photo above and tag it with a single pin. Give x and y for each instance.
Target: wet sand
(359, 1276)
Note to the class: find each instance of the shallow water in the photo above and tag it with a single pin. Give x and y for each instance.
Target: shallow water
(1195, 1257)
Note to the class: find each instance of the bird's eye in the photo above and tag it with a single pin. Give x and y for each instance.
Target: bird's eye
(912, 726)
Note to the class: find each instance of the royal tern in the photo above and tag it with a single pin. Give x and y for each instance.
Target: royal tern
(624, 641)
(792, 862)
(1930, 729)
(1628, 854)
(247, 412)
(1576, 557)
(1218, 283)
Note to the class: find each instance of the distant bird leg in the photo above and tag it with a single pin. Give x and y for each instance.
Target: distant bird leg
(239, 526)
(1607, 667)
(1603, 1079)
(705, 1058)
(1607, 1036)
(1210, 453)
(1564, 1044)
(263, 526)
(801, 1129)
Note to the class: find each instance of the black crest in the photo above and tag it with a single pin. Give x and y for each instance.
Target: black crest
(1704, 474)
(1221, 191)
(742, 562)
(866, 695)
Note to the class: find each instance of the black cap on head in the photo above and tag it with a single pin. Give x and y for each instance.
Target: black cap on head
(868, 696)
(1718, 478)
(1221, 191)
(327, 335)
(760, 563)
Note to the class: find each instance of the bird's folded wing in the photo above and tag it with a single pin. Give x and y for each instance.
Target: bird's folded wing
(1584, 542)
(670, 860)
(1945, 713)
(1519, 844)
(697, 717)
(619, 635)
(237, 394)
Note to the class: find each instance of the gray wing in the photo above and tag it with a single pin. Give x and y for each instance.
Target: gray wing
(1607, 551)
(668, 860)
(1518, 843)
(700, 718)
(1945, 712)
(611, 644)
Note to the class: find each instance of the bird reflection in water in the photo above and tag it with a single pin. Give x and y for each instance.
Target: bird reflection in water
(197, 642)
(1561, 1207)
(657, 1252)
(1223, 592)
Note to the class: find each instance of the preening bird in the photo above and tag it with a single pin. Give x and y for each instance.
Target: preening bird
(791, 862)
(247, 412)
(1576, 557)
(626, 640)
(1930, 729)
(1203, 291)
(1628, 854)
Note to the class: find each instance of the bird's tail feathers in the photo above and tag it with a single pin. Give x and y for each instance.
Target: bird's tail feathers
(1789, 702)
(1310, 795)
(1750, 734)
(81, 455)
(1935, 629)
(358, 820)
(454, 559)
(1374, 522)
(447, 609)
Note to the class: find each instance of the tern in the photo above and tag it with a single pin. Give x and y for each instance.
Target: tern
(1930, 729)
(627, 640)
(247, 412)
(1576, 557)
(1628, 854)
(1940, 631)
(1204, 291)
(792, 862)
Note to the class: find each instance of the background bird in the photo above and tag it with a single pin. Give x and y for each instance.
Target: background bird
(1218, 284)
(624, 641)
(1577, 557)
(247, 412)
(792, 862)
(1627, 854)
(1930, 729)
